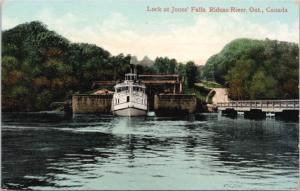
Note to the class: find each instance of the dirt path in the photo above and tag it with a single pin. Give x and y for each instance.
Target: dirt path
(220, 95)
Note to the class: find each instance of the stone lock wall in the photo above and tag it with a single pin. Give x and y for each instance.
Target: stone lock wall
(164, 104)
(167, 104)
(87, 103)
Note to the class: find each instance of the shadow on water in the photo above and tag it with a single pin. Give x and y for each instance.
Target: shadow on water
(32, 117)
(34, 156)
(49, 150)
(238, 140)
(262, 142)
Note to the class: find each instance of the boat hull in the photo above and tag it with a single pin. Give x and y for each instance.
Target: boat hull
(130, 111)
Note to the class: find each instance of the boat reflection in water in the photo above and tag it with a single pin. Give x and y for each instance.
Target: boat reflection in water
(197, 152)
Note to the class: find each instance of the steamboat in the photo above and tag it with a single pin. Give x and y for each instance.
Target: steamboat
(130, 98)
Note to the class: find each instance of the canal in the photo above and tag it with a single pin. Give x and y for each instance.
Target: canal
(202, 151)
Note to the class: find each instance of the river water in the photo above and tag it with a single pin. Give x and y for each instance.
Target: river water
(203, 151)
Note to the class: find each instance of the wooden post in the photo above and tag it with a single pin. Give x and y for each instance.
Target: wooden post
(294, 104)
(180, 87)
(174, 88)
(279, 104)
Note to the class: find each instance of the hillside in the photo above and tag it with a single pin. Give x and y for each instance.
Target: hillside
(39, 66)
(256, 69)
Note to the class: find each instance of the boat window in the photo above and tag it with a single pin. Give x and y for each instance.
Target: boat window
(138, 89)
(135, 88)
(128, 99)
(120, 89)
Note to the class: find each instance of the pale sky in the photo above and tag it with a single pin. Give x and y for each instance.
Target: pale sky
(124, 26)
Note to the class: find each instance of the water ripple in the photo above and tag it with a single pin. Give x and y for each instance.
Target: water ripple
(204, 151)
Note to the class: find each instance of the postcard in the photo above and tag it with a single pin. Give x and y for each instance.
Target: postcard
(150, 94)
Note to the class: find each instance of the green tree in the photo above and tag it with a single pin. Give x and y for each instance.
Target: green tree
(191, 73)
(256, 69)
(165, 65)
(262, 86)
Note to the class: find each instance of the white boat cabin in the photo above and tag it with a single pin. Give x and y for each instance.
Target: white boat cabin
(130, 94)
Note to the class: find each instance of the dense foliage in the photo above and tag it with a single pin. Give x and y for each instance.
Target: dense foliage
(40, 67)
(191, 73)
(256, 69)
